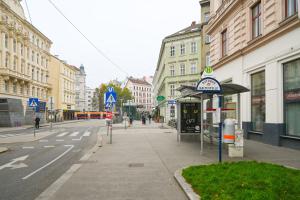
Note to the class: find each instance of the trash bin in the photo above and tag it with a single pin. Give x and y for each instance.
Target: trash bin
(229, 131)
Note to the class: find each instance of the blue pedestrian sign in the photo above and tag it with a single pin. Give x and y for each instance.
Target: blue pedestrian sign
(110, 96)
(33, 102)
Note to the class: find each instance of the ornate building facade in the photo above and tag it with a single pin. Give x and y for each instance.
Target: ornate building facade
(24, 64)
(256, 43)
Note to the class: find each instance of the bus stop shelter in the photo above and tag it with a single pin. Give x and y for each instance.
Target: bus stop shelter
(191, 92)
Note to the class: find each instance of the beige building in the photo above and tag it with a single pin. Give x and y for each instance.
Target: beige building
(24, 64)
(62, 78)
(256, 43)
(179, 64)
(141, 91)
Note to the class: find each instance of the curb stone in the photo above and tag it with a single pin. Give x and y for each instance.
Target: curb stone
(3, 149)
(187, 188)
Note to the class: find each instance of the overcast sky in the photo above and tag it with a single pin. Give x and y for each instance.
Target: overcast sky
(128, 31)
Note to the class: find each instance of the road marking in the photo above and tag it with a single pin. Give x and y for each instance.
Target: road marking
(54, 187)
(76, 150)
(43, 140)
(27, 147)
(49, 163)
(12, 164)
(49, 146)
(62, 134)
(86, 134)
(78, 139)
(60, 140)
(74, 134)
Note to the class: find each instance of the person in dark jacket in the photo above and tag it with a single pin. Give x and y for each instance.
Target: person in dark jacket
(37, 122)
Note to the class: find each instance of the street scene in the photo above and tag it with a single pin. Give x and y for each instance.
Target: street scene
(142, 100)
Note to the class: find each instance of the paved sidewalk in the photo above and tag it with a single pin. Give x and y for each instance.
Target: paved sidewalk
(141, 162)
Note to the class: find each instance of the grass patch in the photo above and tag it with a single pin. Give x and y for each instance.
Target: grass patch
(245, 180)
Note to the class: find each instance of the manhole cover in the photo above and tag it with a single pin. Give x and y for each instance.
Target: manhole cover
(136, 165)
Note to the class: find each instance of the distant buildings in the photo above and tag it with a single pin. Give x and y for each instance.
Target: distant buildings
(80, 89)
(179, 64)
(89, 94)
(142, 93)
(24, 66)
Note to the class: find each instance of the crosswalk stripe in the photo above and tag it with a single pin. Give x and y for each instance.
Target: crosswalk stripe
(62, 134)
(59, 140)
(86, 134)
(49, 146)
(74, 134)
(27, 147)
(43, 140)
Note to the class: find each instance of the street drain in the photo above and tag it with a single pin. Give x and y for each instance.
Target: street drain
(136, 165)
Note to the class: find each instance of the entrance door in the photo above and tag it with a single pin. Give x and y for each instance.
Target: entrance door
(190, 117)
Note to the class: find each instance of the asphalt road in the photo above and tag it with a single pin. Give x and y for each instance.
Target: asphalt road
(27, 169)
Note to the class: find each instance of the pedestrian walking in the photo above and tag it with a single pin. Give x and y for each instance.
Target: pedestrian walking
(149, 117)
(37, 122)
(130, 119)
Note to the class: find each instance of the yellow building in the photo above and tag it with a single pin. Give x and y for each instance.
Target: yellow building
(24, 57)
(62, 78)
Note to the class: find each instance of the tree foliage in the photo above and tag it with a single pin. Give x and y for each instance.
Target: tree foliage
(123, 95)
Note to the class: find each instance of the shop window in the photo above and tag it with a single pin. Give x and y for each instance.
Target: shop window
(291, 77)
(258, 101)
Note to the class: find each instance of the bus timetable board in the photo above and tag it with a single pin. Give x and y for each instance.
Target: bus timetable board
(190, 117)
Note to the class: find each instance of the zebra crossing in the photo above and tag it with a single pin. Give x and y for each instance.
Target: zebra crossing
(12, 135)
(60, 135)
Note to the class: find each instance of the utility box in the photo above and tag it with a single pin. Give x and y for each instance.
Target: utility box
(237, 149)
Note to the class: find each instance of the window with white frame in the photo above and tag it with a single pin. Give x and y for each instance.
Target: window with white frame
(193, 68)
(15, 63)
(256, 20)
(291, 7)
(172, 71)
(15, 87)
(182, 49)
(7, 60)
(15, 45)
(206, 17)
(193, 47)
(6, 86)
(182, 69)
(172, 89)
(6, 41)
(172, 51)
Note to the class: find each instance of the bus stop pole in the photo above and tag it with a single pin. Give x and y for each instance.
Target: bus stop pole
(202, 119)
(220, 129)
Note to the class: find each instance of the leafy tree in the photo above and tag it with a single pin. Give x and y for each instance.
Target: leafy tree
(123, 95)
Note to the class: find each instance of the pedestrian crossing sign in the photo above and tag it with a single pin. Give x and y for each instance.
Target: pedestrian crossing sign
(33, 102)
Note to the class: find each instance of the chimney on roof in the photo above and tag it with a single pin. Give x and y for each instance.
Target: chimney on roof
(193, 24)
